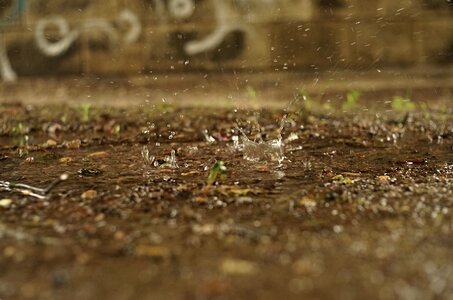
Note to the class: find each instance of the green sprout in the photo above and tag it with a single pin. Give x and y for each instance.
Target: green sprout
(352, 99)
(218, 170)
(402, 104)
(19, 129)
(85, 111)
(251, 92)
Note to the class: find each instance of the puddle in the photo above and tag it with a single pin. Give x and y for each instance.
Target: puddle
(322, 204)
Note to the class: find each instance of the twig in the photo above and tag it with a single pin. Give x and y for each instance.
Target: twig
(29, 190)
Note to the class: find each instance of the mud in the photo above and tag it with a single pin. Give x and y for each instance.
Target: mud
(361, 207)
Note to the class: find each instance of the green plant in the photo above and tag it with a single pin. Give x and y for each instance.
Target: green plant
(352, 99)
(218, 170)
(85, 112)
(402, 104)
(19, 129)
(251, 92)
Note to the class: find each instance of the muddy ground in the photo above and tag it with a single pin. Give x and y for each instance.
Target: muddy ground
(360, 207)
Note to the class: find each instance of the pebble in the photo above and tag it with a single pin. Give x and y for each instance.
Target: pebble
(49, 143)
(100, 154)
(65, 160)
(6, 203)
(384, 179)
(89, 194)
(74, 144)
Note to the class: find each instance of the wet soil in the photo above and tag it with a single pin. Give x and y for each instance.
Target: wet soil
(361, 207)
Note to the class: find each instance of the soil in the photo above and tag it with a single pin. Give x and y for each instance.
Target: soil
(361, 206)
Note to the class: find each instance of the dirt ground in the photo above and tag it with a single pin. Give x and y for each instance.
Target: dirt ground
(359, 207)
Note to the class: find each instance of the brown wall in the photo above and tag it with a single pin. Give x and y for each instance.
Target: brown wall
(259, 34)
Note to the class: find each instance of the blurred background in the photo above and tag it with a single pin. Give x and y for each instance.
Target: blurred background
(133, 37)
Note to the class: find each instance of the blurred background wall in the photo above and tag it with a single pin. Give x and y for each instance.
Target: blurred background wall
(130, 37)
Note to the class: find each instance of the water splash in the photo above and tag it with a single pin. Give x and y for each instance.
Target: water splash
(147, 157)
(208, 137)
(272, 150)
(169, 161)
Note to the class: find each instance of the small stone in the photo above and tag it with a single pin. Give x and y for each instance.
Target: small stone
(384, 179)
(74, 144)
(200, 200)
(307, 202)
(89, 172)
(119, 235)
(49, 144)
(90, 194)
(100, 217)
(204, 229)
(100, 154)
(6, 203)
(65, 160)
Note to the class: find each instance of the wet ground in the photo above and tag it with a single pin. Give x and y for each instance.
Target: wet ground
(360, 206)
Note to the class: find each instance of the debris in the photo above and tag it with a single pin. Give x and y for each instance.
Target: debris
(49, 144)
(100, 154)
(74, 144)
(31, 190)
(308, 203)
(190, 173)
(89, 194)
(204, 229)
(384, 179)
(292, 137)
(342, 179)
(200, 200)
(89, 172)
(65, 160)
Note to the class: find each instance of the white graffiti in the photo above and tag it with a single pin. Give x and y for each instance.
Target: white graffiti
(175, 9)
(184, 9)
(181, 9)
(68, 37)
(215, 38)
(6, 70)
(230, 16)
